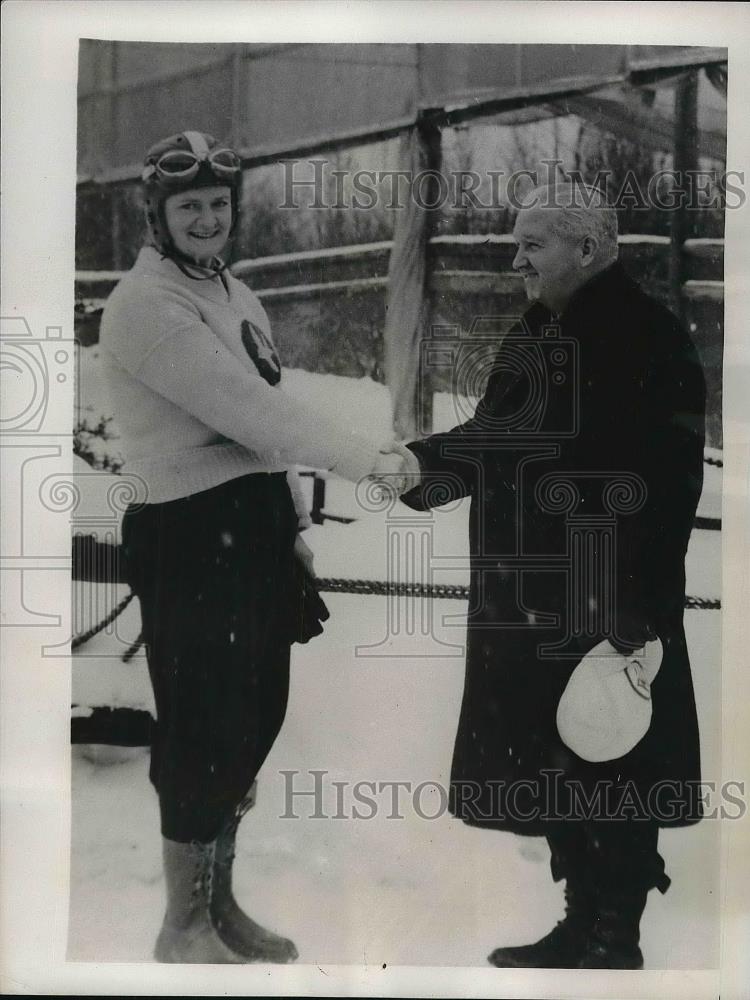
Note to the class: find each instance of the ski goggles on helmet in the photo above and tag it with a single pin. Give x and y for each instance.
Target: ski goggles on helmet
(181, 165)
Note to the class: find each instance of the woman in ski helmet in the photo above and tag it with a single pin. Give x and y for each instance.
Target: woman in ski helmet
(214, 553)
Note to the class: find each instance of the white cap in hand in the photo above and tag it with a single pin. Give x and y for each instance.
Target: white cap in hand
(605, 709)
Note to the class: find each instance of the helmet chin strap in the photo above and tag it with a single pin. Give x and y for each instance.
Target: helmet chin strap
(184, 261)
(162, 240)
(167, 248)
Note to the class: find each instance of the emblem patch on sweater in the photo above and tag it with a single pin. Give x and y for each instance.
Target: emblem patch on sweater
(261, 350)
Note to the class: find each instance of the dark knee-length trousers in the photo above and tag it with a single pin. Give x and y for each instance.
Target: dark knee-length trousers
(213, 575)
(613, 855)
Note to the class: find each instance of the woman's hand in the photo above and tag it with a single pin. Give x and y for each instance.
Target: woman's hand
(398, 469)
(305, 554)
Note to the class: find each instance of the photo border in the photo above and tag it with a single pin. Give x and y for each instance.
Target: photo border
(39, 85)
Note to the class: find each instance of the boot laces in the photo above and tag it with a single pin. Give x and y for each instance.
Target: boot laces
(229, 833)
(203, 874)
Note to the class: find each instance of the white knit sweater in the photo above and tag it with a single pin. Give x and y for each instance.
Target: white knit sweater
(192, 408)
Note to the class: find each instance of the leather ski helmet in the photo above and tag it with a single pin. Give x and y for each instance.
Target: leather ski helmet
(184, 162)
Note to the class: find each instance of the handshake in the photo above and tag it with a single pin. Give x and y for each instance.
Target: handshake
(396, 470)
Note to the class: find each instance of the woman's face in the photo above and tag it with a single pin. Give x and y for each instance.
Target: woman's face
(199, 221)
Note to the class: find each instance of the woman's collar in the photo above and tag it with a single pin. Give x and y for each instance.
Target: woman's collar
(154, 260)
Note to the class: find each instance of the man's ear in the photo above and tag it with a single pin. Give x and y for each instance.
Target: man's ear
(589, 248)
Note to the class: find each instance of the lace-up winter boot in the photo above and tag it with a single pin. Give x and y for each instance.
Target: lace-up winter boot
(615, 933)
(625, 865)
(236, 929)
(187, 934)
(565, 944)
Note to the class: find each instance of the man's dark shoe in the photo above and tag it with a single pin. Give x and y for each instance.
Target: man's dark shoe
(566, 943)
(601, 956)
(562, 948)
(615, 933)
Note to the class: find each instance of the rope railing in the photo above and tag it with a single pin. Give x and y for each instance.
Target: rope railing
(79, 640)
(134, 727)
(368, 588)
(433, 591)
(83, 546)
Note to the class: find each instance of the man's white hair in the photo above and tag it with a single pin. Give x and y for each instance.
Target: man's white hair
(583, 210)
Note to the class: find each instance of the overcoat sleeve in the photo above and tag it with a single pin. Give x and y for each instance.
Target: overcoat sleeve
(450, 461)
(652, 543)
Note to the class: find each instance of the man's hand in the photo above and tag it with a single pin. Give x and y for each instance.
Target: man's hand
(398, 468)
(412, 468)
(305, 554)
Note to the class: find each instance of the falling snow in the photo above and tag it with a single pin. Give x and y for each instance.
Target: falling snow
(410, 892)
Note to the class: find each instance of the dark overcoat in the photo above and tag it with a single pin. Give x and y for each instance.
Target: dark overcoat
(584, 464)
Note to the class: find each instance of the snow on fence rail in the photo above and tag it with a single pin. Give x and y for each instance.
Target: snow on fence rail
(362, 266)
(328, 306)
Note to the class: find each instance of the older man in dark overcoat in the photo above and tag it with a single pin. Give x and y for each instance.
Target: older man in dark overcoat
(584, 465)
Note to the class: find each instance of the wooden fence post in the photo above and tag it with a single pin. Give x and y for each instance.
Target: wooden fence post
(407, 299)
(685, 158)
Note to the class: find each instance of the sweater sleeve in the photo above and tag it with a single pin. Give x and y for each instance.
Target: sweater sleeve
(165, 344)
(300, 500)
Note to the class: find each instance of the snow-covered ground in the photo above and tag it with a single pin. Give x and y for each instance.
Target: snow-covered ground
(408, 891)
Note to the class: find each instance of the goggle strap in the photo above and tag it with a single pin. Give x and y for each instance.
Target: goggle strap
(197, 143)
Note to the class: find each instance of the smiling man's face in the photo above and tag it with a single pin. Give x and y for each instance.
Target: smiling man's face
(551, 265)
(199, 221)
